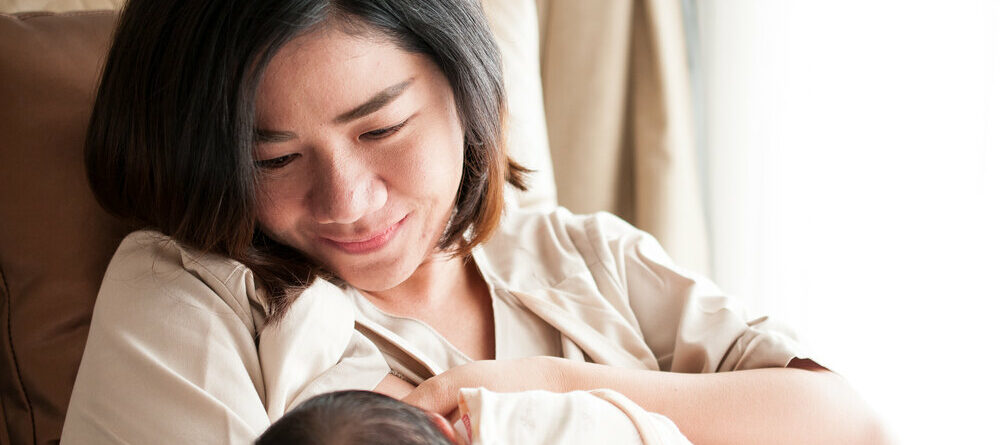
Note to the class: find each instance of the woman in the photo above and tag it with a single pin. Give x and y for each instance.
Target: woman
(322, 186)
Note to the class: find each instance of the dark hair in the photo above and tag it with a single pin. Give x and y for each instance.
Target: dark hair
(171, 137)
(354, 417)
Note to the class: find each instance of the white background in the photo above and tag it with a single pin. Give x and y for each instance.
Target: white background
(852, 153)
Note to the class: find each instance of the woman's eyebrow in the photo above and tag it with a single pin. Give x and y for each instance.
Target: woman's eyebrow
(377, 101)
(262, 136)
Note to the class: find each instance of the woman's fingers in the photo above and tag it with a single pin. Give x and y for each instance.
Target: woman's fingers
(435, 395)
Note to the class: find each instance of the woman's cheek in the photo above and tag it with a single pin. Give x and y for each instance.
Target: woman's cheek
(274, 211)
(411, 165)
(441, 156)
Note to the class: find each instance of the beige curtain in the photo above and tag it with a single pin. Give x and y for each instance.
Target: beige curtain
(12, 6)
(618, 107)
(515, 25)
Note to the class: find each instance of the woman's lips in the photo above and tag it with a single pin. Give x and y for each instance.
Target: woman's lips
(367, 245)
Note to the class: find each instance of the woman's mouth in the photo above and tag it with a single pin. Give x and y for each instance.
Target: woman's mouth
(367, 245)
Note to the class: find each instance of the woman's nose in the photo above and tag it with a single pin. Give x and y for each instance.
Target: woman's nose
(344, 190)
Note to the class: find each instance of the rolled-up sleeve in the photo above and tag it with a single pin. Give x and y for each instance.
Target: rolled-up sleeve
(688, 323)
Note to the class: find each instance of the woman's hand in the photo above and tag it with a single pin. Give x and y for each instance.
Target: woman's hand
(440, 393)
(394, 387)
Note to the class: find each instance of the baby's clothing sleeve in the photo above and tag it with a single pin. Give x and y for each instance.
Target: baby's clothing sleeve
(574, 418)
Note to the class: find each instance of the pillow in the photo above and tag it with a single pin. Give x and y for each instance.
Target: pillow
(55, 241)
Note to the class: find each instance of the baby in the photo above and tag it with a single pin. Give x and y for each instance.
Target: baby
(358, 417)
(529, 417)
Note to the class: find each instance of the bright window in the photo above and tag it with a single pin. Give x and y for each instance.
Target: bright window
(852, 155)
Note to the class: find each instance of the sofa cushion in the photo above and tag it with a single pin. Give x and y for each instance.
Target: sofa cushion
(55, 241)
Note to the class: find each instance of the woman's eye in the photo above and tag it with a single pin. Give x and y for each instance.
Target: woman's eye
(275, 163)
(384, 132)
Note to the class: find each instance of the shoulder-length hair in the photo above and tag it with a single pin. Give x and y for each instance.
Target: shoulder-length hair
(170, 142)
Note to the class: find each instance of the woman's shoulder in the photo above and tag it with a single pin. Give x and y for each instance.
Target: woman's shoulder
(151, 266)
(561, 228)
(556, 243)
(560, 222)
(151, 246)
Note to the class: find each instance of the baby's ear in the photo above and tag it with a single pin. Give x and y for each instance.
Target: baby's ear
(444, 426)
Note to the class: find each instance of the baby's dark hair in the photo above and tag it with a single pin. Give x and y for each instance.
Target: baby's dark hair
(354, 417)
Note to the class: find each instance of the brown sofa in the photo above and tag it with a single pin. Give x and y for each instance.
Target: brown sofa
(55, 241)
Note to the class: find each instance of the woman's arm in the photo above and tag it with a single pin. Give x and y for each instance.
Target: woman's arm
(766, 406)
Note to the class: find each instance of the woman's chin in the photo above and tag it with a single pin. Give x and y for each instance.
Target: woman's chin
(376, 279)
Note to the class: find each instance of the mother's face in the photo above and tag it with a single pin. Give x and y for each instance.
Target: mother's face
(362, 152)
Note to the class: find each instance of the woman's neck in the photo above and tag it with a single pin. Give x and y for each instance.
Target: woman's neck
(450, 296)
(434, 284)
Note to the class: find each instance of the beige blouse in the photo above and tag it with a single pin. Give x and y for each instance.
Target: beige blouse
(178, 352)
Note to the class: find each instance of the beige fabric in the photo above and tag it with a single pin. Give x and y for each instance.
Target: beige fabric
(177, 352)
(12, 6)
(171, 356)
(618, 108)
(595, 288)
(575, 418)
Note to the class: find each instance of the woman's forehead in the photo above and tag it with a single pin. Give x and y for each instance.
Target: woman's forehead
(342, 69)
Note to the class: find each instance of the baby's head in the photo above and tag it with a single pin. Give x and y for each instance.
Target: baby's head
(358, 417)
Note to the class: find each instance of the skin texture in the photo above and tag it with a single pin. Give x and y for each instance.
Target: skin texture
(336, 176)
